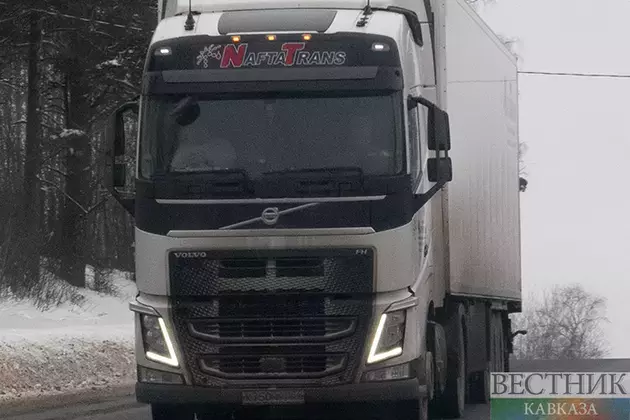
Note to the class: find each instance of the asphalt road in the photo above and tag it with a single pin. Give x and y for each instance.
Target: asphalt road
(126, 408)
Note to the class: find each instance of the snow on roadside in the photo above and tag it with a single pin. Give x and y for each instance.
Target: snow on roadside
(37, 369)
(69, 347)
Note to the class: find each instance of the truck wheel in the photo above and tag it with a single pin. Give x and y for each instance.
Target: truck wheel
(452, 402)
(479, 387)
(480, 381)
(498, 362)
(171, 412)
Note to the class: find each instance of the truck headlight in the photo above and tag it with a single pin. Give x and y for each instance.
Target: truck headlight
(388, 338)
(158, 346)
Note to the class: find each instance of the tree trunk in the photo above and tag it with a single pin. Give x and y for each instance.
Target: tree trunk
(30, 211)
(73, 260)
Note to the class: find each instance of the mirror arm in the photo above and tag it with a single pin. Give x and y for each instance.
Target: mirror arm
(129, 204)
(419, 200)
(422, 101)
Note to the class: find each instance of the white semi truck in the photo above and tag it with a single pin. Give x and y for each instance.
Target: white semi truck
(306, 236)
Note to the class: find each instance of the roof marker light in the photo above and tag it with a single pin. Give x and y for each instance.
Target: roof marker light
(236, 38)
(271, 37)
(379, 46)
(163, 51)
(307, 37)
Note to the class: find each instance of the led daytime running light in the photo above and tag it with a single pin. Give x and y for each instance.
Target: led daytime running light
(374, 357)
(171, 360)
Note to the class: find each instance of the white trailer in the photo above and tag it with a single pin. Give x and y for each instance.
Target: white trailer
(482, 217)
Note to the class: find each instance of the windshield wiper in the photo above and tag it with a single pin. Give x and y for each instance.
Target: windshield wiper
(335, 181)
(336, 170)
(213, 181)
(241, 172)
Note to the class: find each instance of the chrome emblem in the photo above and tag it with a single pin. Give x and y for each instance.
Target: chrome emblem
(270, 216)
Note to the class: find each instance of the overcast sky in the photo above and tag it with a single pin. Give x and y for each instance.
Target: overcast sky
(576, 211)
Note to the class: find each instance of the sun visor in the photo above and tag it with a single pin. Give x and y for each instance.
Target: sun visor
(295, 20)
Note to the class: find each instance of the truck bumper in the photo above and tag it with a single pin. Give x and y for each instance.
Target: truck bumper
(402, 390)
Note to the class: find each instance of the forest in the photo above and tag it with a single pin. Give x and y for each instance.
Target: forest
(66, 65)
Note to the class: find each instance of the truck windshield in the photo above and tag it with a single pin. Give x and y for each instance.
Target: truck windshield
(181, 134)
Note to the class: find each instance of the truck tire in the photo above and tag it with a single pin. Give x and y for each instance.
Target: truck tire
(500, 348)
(479, 387)
(452, 401)
(479, 382)
(171, 412)
(507, 341)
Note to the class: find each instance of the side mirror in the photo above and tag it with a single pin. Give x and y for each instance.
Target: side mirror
(117, 139)
(438, 121)
(440, 169)
(439, 130)
(116, 129)
(120, 175)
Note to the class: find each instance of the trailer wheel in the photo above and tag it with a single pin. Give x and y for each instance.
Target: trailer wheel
(171, 412)
(479, 387)
(452, 402)
(500, 348)
(479, 382)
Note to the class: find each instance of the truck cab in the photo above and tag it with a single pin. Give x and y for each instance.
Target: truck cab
(287, 193)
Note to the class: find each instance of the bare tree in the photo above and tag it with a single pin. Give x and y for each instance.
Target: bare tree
(565, 324)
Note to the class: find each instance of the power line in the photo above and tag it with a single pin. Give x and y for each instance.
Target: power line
(593, 75)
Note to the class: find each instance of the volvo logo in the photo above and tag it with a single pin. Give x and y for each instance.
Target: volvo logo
(191, 254)
(270, 216)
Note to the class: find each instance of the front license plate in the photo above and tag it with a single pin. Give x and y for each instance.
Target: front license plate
(273, 397)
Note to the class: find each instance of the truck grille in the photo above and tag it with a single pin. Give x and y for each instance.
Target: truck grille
(275, 366)
(275, 317)
(272, 329)
(320, 270)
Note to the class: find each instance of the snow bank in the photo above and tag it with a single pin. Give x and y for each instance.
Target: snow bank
(63, 366)
(69, 347)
